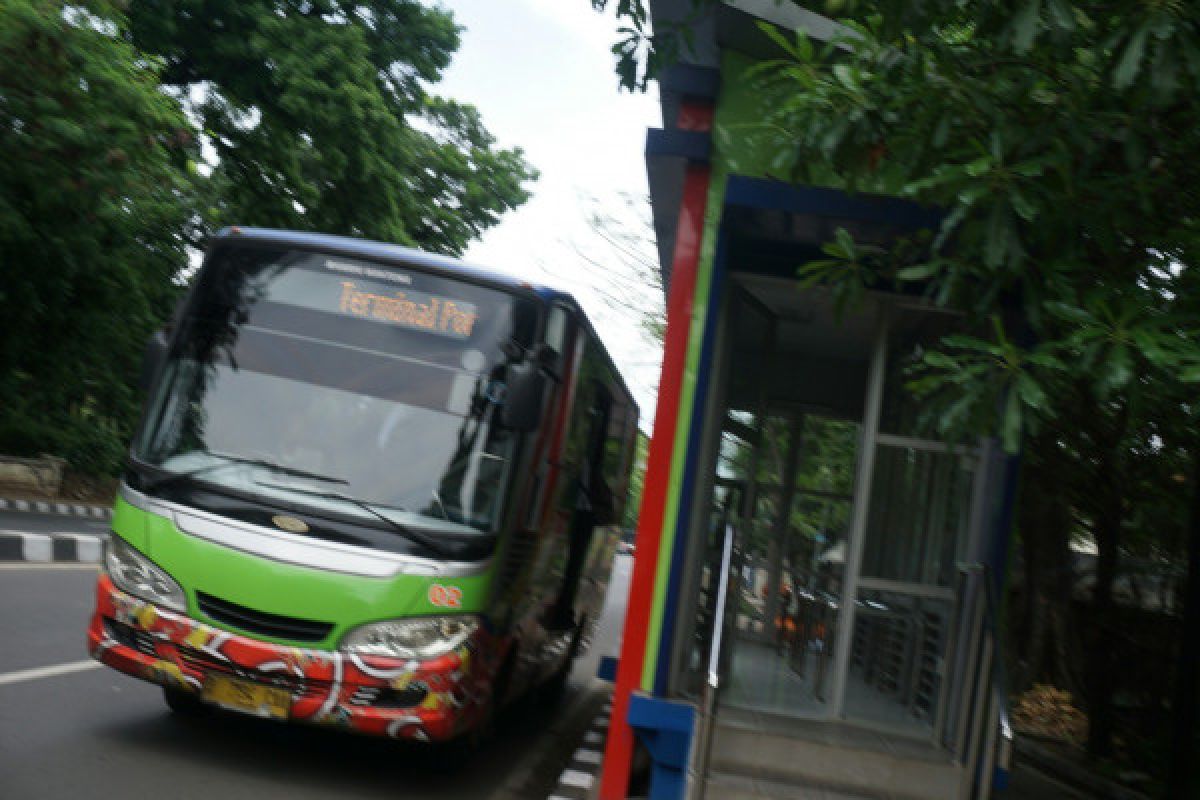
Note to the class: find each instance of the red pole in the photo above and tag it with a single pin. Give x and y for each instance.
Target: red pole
(614, 779)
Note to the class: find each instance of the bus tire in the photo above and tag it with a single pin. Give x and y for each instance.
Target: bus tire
(183, 703)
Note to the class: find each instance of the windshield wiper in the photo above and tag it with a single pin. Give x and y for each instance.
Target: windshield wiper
(231, 460)
(408, 533)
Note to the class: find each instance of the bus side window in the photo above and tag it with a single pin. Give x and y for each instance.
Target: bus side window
(556, 329)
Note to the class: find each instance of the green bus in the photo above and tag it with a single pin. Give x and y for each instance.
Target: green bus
(371, 487)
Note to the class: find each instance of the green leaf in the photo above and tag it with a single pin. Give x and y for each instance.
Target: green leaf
(919, 272)
(1025, 25)
(845, 242)
(1071, 313)
(777, 36)
(1031, 394)
(1165, 74)
(1061, 14)
(939, 360)
(952, 221)
(845, 76)
(998, 236)
(1046, 361)
(964, 342)
(1127, 68)
(942, 131)
(1030, 169)
(955, 414)
(1156, 350)
(1118, 369)
(1026, 209)
(980, 166)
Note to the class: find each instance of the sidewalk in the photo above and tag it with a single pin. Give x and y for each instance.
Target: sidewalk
(18, 545)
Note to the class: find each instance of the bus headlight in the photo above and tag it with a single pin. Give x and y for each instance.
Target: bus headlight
(418, 637)
(137, 575)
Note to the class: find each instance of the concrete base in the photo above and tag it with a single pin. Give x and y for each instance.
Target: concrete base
(761, 755)
(47, 547)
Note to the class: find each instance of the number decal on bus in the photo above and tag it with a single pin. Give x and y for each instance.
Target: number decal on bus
(445, 596)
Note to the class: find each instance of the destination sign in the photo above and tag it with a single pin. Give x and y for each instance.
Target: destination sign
(361, 291)
(409, 309)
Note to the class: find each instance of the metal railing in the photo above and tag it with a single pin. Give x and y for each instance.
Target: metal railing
(982, 732)
(703, 733)
(978, 732)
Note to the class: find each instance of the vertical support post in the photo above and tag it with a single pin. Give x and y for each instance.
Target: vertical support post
(858, 526)
(779, 531)
(618, 755)
(697, 773)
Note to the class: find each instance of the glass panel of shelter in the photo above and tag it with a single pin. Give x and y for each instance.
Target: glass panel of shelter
(790, 560)
(786, 476)
(917, 532)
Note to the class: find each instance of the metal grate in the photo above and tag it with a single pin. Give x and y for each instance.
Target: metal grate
(928, 680)
(262, 622)
(129, 636)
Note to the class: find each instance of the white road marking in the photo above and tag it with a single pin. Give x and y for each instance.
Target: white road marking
(568, 718)
(47, 672)
(573, 777)
(34, 565)
(587, 756)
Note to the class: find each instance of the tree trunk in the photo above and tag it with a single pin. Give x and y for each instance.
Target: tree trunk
(1187, 669)
(1045, 642)
(1108, 514)
(1100, 667)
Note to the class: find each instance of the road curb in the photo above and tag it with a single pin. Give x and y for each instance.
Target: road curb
(44, 548)
(56, 508)
(578, 780)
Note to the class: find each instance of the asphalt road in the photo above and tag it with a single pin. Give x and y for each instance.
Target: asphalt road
(93, 732)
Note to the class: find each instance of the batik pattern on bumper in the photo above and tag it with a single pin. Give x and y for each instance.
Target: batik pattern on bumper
(432, 700)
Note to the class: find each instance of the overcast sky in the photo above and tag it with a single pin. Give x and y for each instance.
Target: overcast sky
(541, 73)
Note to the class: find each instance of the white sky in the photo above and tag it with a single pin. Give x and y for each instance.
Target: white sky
(541, 73)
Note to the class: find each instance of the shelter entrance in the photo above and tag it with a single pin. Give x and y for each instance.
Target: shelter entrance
(849, 529)
(794, 473)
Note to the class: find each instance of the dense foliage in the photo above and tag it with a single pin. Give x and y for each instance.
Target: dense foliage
(321, 117)
(94, 205)
(130, 130)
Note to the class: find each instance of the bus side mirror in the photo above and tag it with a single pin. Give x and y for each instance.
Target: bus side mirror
(152, 359)
(522, 409)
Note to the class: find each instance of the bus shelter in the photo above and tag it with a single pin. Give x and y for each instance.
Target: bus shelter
(814, 592)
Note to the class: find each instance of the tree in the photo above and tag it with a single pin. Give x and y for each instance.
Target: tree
(626, 277)
(311, 115)
(1059, 140)
(320, 117)
(94, 203)
(625, 271)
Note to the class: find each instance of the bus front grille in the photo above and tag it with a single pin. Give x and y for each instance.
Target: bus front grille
(261, 622)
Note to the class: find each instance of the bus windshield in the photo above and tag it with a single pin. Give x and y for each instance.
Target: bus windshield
(342, 385)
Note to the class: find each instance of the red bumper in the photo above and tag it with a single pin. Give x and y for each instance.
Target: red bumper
(424, 700)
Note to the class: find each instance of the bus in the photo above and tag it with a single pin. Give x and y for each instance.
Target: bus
(371, 487)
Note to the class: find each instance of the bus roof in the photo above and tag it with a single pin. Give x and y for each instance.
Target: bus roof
(394, 253)
(407, 256)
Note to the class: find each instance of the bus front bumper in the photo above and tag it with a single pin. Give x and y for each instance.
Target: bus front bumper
(434, 700)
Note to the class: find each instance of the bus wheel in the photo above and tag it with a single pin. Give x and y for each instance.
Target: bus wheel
(186, 704)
